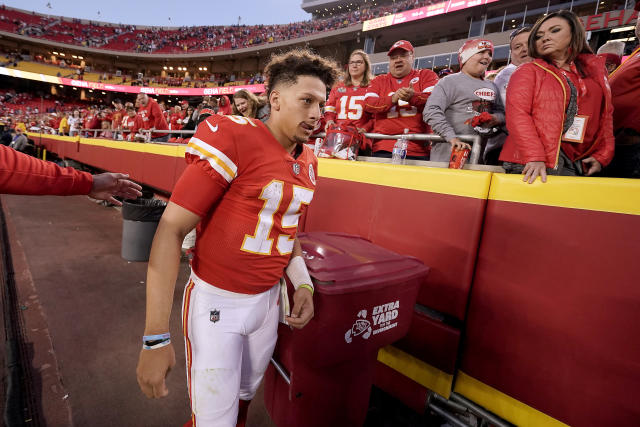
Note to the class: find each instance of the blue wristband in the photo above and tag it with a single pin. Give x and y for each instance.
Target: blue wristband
(156, 337)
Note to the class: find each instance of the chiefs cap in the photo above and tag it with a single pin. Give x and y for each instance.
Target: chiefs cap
(401, 44)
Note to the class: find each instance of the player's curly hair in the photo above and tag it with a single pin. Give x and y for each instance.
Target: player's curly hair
(287, 67)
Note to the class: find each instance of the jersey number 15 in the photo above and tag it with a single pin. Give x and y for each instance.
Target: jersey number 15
(272, 193)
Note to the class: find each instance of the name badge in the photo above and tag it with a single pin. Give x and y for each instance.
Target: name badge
(577, 130)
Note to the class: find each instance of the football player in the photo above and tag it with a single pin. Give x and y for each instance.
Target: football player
(245, 187)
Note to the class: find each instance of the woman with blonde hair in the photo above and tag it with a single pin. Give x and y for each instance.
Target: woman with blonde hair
(246, 104)
(559, 109)
(345, 104)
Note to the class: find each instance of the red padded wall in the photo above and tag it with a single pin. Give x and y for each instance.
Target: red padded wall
(554, 310)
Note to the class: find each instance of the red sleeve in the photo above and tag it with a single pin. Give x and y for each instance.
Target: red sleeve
(22, 174)
(522, 130)
(212, 158)
(606, 144)
(428, 80)
(375, 101)
(330, 107)
(137, 124)
(159, 122)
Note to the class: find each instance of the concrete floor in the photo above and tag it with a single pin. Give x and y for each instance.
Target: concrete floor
(91, 305)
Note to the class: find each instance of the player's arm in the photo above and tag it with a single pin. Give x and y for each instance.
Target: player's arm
(162, 273)
(302, 311)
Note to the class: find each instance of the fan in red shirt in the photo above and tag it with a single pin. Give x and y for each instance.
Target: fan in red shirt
(224, 106)
(152, 117)
(131, 124)
(175, 119)
(397, 99)
(345, 106)
(118, 114)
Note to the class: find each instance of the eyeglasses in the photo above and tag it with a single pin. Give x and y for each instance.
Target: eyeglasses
(360, 62)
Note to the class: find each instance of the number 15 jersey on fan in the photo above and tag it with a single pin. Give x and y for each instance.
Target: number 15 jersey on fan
(250, 193)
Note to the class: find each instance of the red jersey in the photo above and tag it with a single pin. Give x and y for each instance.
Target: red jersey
(152, 117)
(116, 118)
(393, 119)
(131, 125)
(249, 192)
(346, 107)
(175, 121)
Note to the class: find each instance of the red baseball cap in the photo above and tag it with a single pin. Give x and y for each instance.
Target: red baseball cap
(401, 44)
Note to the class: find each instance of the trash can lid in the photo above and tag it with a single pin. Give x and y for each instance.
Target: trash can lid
(340, 262)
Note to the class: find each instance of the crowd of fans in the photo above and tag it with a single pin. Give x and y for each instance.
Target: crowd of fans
(563, 120)
(185, 39)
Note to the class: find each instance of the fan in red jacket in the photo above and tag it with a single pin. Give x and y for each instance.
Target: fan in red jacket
(22, 174)
(131, 124)
(397, 99)
(152, 117)
(559, 110)
(625, 90)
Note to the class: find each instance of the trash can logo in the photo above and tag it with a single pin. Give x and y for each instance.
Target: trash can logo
(383, 317)
(360, 327)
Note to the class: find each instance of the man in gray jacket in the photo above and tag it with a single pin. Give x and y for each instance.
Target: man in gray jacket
(464, 103)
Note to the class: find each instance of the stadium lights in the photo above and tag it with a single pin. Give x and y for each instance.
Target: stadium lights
(61, 85)
(61, 54)
(80, 57)
(75, 88)
(91, 90)
(104, 93)
(204, 68)
(164, 68)
(621, 29)
(171, 68)
(55, 53)
(74, 56)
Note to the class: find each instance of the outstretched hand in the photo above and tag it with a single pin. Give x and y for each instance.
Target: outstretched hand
(107, 185)
(302, 311)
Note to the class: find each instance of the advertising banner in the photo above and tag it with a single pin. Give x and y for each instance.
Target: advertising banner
(175, 91)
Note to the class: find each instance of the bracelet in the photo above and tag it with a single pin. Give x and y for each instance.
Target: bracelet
(164, 336)
(306, 286)
(157, 345)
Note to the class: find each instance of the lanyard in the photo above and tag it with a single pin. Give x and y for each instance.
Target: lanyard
(582, 87)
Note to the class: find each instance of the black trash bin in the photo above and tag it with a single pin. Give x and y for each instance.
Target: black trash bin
(140, 220)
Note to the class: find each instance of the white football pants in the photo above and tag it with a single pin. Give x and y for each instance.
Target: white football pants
(229, 340)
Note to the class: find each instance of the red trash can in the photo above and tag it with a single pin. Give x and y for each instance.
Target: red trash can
(364, 297)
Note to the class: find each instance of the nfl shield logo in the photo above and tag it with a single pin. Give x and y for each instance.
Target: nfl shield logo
(214, 315)
(296, 168)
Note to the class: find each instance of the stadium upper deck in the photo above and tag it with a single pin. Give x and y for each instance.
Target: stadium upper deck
(437, 30)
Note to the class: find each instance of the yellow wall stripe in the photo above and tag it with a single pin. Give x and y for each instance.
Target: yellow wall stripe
(502, 405)
(596, 194)
(419, 371)
(436, 180)
(170, 150)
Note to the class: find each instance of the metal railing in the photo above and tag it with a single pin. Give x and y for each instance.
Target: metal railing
(474, 140)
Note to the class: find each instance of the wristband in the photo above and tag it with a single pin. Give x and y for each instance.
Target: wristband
(298, 274)
(164, 336)
(157, 345)
(306, 286)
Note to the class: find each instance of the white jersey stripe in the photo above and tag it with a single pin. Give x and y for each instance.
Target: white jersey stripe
(219, 154)
(330, 109)
(214, 161)
(371, 94)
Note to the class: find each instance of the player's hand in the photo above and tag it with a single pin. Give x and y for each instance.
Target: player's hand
(302, 311)
(153, 367)
(107, 185)
(456, 143)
